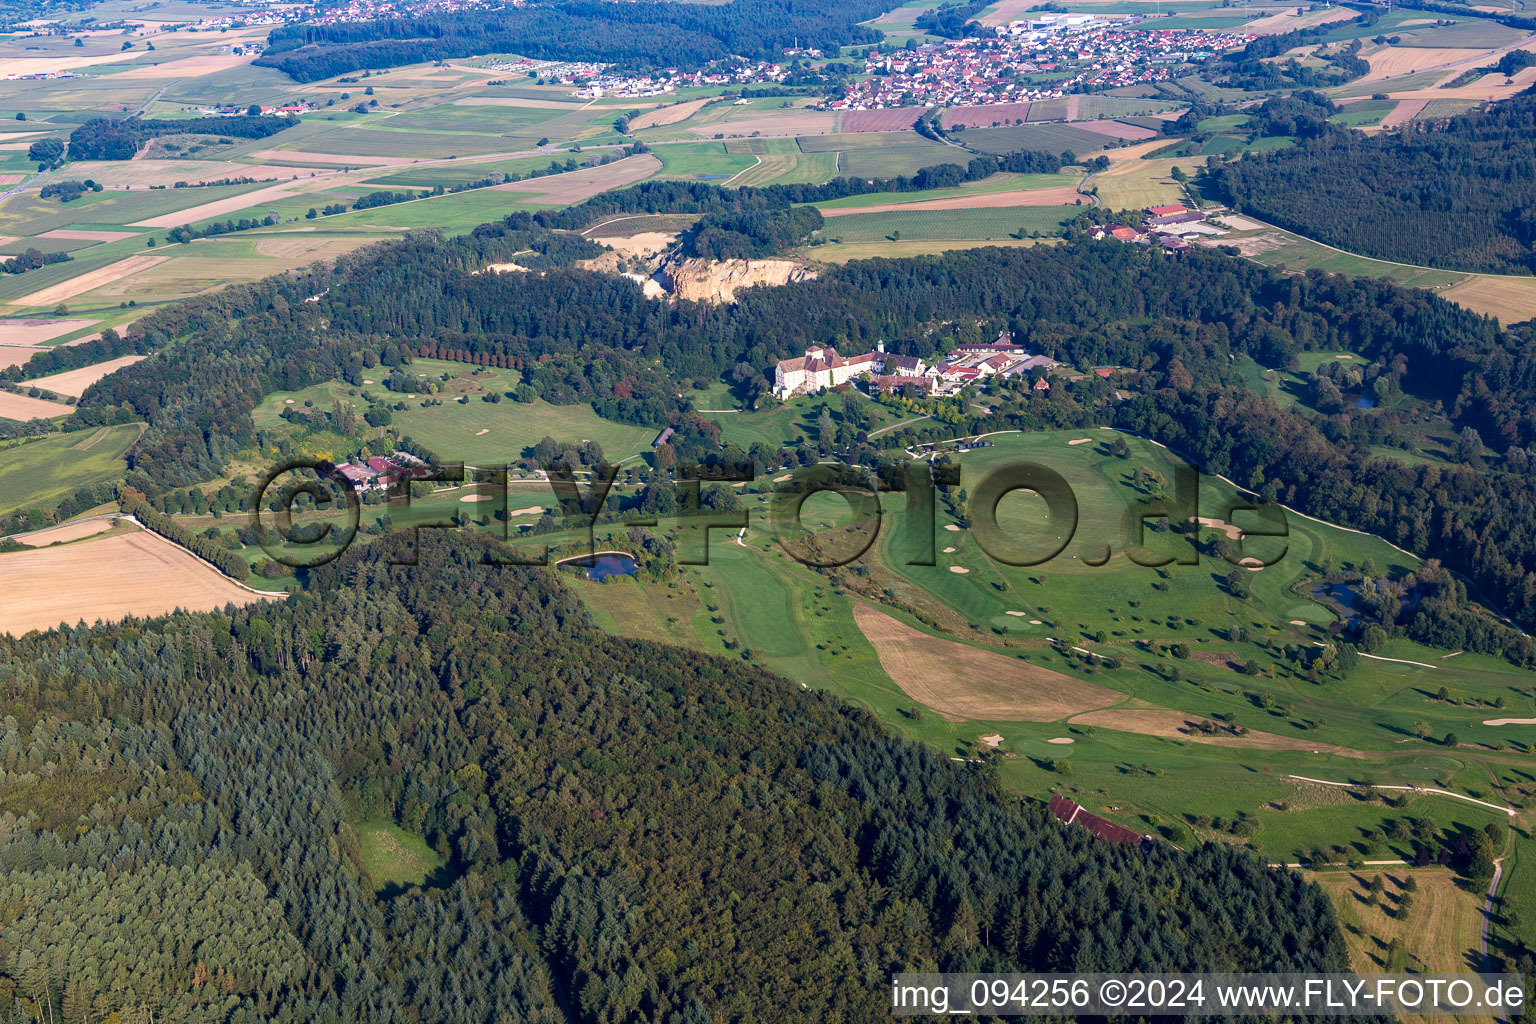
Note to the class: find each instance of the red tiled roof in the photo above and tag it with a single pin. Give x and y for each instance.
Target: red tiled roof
(1072, 813)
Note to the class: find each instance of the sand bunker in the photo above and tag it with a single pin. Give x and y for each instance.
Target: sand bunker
(482, 430)
(1510, 721)
(962, 570)
(993, 740)
(952, 527)
(1234, 532)
(531, 510)
(1061, 739)
(1081, 440)
(950, 551)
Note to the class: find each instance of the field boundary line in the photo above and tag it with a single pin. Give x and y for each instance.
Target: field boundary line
(757, 161)
(280, 594)
(1400, 661)
(1410, 789)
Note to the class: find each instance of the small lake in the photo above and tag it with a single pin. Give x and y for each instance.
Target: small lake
(1342, 594)
(601, 566)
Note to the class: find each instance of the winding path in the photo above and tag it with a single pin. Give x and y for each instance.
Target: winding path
(1409, 789)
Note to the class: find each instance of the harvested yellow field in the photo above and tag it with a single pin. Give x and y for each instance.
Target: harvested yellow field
(1276, 24)
(1392, 61)
(667, 115)
(74, 382)
(791, 122)
(79, 235)
(1488, 88)
(1510, 299)
(1063, 196)
(1138, 184)
(15, 67)
(110, 579)
(65, 533)
(575, 186)
(14, 355)
(343, 160)
(1004, 11)
(185, 67)
(219, 207)
(20, 407)
(31, 332)
(1130, 154)
(959, 681)
(1405, 111)
(91, 280)
(309, 249)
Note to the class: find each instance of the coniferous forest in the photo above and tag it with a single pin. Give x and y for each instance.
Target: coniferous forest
(1458, 195)
(635, 36)
(631, 832)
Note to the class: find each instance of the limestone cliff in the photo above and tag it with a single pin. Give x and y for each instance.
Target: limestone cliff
(700, 280)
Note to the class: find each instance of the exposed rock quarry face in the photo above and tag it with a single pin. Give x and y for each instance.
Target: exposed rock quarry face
(699, 280)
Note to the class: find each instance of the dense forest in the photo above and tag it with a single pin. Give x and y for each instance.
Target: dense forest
(634, 36)
(1459, 195)
(106, 138)
(582, 336)
(631, 832)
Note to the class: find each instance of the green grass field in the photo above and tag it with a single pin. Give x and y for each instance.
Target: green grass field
(700, 160)
(474, 430)
(754, 599)
(986, 223)
(1049, 138)
(789, 169)
(883, 154)
(37, 473)
(394, 857)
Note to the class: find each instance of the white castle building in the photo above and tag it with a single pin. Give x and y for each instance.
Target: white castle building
(822, 368)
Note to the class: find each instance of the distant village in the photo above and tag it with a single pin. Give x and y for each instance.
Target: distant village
(1084, 50)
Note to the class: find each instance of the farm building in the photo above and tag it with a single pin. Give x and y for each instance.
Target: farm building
(1069, 812)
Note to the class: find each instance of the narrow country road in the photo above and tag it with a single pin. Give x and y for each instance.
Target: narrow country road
(1493, 888)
